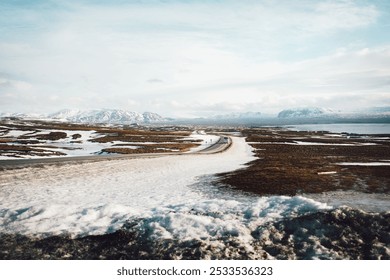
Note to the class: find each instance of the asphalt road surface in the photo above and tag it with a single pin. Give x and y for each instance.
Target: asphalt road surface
(219, 146)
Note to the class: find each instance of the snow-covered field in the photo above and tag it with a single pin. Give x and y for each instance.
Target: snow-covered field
(95, 198)
(70, 147)
(170, 199)
(83, 145)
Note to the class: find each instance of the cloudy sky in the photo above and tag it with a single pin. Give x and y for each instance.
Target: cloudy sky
(193, 58)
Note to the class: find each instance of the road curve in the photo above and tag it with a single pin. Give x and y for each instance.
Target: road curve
(219, 146)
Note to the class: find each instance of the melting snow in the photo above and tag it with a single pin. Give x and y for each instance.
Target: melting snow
(75, 198)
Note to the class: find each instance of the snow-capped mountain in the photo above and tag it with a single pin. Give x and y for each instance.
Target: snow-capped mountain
(106, 116)
(245, 115)
(21, 115)
(150, 117)
(65, 114)
(378, 111)
(308, 112)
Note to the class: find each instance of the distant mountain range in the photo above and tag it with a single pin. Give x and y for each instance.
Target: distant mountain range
(246, 115)
(287, 116)
(109, 116)
(314, 112)
(299, 116)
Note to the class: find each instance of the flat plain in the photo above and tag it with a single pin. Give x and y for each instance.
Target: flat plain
(189, 192)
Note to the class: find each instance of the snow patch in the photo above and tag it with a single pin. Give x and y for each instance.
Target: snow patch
(379, 163)
(59, 195)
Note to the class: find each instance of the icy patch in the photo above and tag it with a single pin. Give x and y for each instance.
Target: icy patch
(327, 173)
(379, 163)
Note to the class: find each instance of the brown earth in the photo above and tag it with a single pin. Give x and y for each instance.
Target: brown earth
(165, 139)
(285, 168)
(152, 148)
(19, 150)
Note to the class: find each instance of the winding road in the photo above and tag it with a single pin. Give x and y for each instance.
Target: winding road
(219, 146)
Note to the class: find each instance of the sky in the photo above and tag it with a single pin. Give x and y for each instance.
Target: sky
(194, 58)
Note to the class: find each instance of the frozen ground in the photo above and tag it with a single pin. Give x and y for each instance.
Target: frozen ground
(83, 146)
(71, 147)
(169, 208)
(98, 197)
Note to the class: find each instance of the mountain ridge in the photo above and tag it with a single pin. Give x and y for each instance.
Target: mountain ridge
(300, 114)
(307, 112)
(108, 116)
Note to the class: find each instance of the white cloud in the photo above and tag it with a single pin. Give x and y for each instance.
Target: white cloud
(342, 14)
(206, 56)
(12, 84)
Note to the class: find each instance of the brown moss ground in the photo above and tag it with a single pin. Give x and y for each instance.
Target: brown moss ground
(23, 150)
(152, 148)
(285, 169)
(165, 139)
(137, 138)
